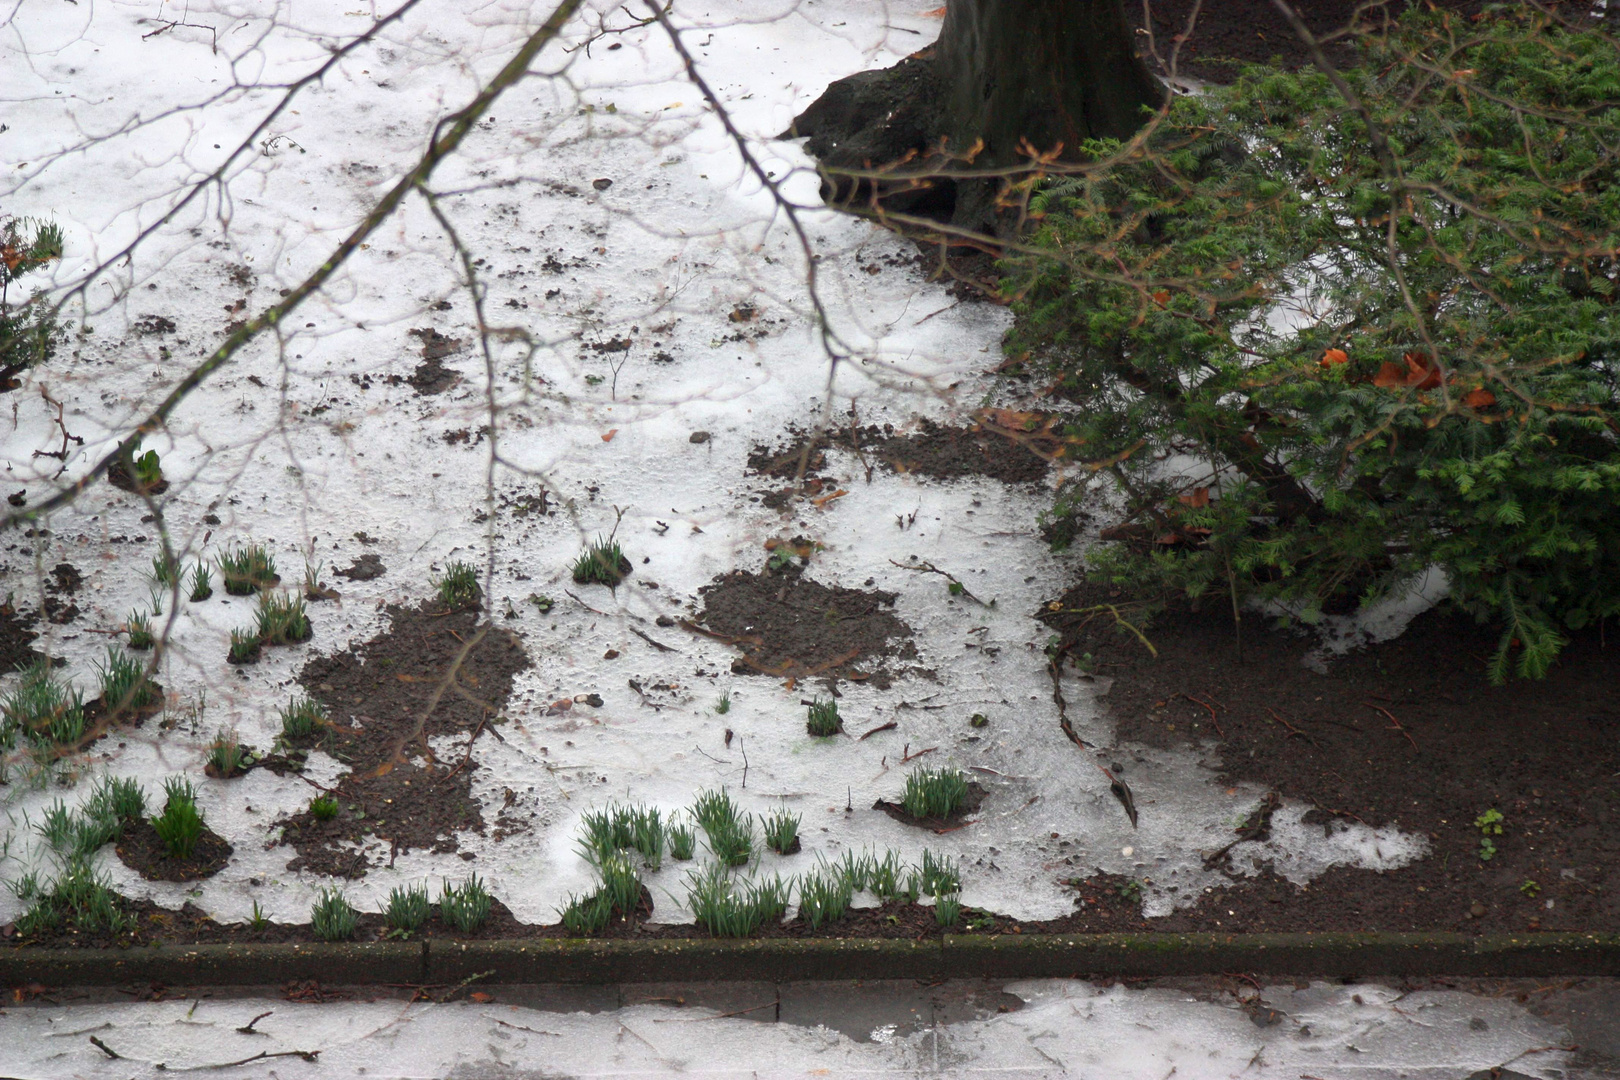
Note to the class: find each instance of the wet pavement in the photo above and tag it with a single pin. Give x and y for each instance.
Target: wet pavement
(1566, 1029)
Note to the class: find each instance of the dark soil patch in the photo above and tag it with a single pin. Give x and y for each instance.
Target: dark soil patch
(947, 453)
(791, 627)
(803, 454)
(1544, 754)
(142, 850)
(148, 325)
(65, 582)
(366, 568)
(387, 697)
(935, 450)
(970, 806)
(434, 344)
(431, 376)
(16, 639)
(65, 579)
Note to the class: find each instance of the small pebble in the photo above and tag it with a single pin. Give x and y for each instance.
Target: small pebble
(1127, 851)
(602, 184)
(698, 437)
(1477, 911)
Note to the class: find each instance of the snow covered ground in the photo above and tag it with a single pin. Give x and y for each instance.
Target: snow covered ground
(1034, 1029)
(603, 203)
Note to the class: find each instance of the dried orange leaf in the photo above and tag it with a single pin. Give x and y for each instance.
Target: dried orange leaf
(1335, 356)
(1423, 372)
(1390, 376)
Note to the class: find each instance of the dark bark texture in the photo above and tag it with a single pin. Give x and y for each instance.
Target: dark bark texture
(1005, 75)
(1047, 72)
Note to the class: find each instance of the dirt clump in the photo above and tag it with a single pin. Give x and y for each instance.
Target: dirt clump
(119, 476)
(365, 568)
(431, 376)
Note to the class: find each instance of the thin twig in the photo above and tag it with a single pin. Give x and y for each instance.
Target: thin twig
(659, 645)
(306, 1055)
(1292, 730)
(530, 1030)
(711, 757)
(569, 593)
(718, 1016)
(1397, 726)
(1063, 706)
(956, 586)
(1211, 709)
(476, 732)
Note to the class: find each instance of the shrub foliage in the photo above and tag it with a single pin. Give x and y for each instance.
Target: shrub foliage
(1323, 340)
(29, 330)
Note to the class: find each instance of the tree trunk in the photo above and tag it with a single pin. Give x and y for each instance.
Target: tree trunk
(1004, 74)
(1052, 72)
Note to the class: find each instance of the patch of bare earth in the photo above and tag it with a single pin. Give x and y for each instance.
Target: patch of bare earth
(790, 627)
(433, 673)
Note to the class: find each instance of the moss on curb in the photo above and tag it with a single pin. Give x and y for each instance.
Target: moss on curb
(1338, 954)
(803, 959)
(689, 959)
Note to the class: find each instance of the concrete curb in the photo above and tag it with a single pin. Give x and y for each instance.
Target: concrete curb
(217, 965)
(560, 960)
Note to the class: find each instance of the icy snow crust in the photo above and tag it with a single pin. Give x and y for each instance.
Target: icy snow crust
(1330, 1032)
(287, 448)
